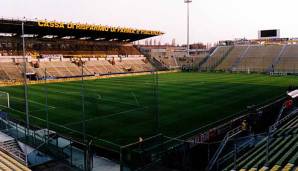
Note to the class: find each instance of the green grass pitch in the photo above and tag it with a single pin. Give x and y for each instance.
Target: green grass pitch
(120, 110)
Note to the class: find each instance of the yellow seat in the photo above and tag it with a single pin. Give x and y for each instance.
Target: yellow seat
(253, 169)
(264, 168)
(8, 164)
(288, 167)
(12, 160)
(275, 168)
(242, 169)
(4, 167)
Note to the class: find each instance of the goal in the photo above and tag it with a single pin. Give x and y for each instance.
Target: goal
(4, 100)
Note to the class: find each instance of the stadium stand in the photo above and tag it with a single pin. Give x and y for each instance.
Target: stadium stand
(281, 146)
(3, 75)
(288, 62)
(135, 65)
(281, 58)
(162, 56)
(62, 52)
(97, 67)
(216, 57)
(10, 71)
(129, 50)
(167, 61)
(192, 61)
(67, 68)
(57, 69)
(11, 155)
(232, 57)
(259, 58)
(12, 147)
(95, 50)
(62, 59)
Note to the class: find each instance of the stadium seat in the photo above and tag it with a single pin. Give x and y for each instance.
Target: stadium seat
(11, 163)
(275, 168)
(288, 167)
(264, 168)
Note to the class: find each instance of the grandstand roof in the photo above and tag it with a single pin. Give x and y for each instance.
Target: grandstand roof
(83, 31)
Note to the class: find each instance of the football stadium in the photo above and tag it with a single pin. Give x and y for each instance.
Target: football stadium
(77, 96)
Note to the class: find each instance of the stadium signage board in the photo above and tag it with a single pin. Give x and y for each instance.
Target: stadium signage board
(272, 34)
(91, 27)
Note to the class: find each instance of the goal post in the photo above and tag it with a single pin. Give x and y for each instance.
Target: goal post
(4, 99)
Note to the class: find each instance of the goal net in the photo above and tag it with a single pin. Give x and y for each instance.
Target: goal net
(4, 100)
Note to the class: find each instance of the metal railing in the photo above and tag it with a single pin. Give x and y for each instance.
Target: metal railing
(229, 135)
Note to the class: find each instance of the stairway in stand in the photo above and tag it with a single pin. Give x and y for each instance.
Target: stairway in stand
(12, 147)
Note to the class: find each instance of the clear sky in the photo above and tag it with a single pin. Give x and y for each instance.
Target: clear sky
(211, 20)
